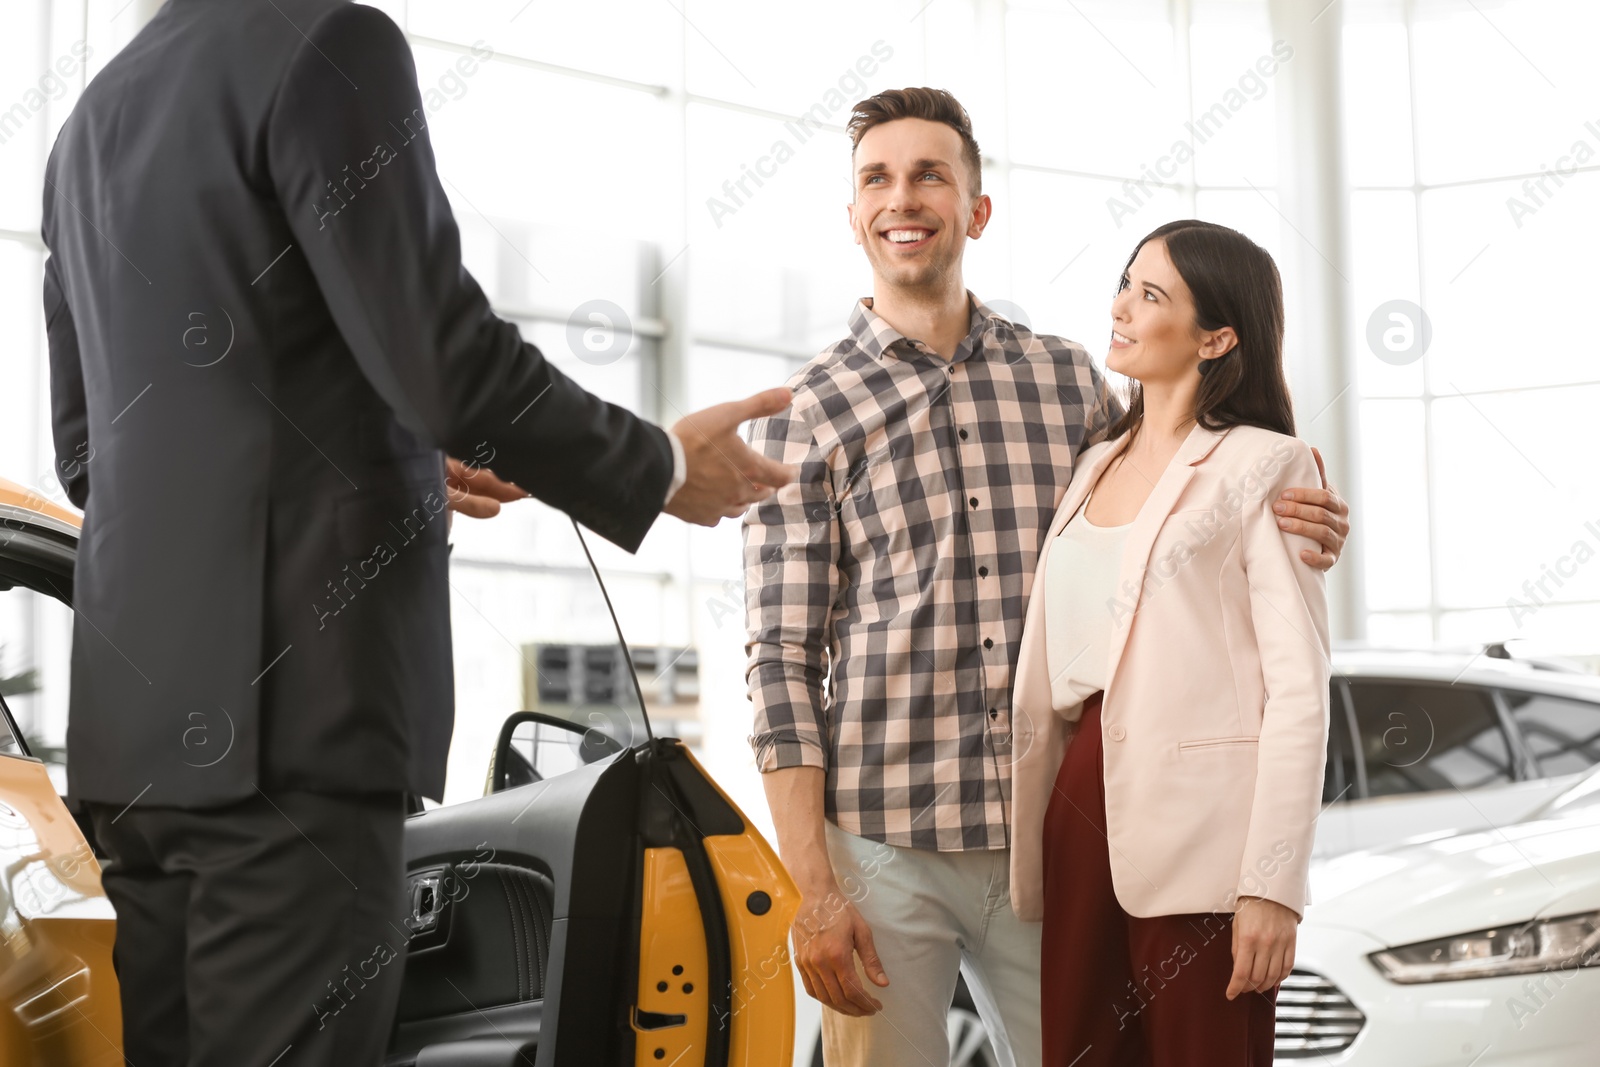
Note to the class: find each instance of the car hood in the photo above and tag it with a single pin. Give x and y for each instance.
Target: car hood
(1457, 883)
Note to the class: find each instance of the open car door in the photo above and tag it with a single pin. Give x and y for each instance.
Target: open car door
(613, 909)
(59, 1002)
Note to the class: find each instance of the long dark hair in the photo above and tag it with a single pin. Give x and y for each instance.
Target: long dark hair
(1234, 283)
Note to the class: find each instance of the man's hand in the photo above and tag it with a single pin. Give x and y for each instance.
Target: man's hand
(475, 491)
(1320, 514)
(828, 934)
(723, 474)
(1263, 945)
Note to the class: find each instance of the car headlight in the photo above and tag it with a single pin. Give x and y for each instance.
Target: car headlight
(1540, 945)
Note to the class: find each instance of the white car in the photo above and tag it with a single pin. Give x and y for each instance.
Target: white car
(1420, 742)
(1480, 948)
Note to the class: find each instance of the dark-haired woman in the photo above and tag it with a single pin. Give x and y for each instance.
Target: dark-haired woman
(1172, 688)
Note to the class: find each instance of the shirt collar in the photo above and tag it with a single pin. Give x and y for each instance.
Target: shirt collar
(989, 331)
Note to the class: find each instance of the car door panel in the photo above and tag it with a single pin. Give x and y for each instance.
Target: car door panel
(654, 879)
(57, 985)
(1382, 821)
(535, 828)
(58, 988)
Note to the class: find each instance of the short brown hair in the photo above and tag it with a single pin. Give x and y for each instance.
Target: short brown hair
(934, 105)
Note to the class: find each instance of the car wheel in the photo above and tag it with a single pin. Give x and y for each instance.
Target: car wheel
(969, 1039)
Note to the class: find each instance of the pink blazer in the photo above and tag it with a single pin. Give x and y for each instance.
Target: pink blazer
(1215, 713)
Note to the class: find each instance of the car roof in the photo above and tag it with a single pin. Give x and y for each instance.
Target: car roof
(18, 503)
(1467, 666)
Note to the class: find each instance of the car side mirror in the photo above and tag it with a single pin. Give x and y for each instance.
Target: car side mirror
(509, 768)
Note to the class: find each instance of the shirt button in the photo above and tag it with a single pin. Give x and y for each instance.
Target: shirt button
(993, 714)
(963, 434)
(983, 572)
(988, 642)
(973, 501)
(1117, 733)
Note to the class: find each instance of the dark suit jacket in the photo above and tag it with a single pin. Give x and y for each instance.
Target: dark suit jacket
(261, 337)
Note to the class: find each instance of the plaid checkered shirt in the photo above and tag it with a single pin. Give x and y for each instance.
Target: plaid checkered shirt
(885, 589)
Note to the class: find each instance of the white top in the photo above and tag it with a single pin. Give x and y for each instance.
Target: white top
(1080, 583)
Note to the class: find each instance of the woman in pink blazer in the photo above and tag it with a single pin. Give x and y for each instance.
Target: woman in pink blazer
(1171, 697)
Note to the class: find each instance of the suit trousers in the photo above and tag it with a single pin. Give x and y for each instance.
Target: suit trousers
(1120, 990)
(267, 933)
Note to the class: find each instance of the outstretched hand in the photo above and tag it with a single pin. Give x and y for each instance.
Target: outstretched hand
(723, 474)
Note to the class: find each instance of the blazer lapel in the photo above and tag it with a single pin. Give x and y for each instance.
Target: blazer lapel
(1031, 687)
(1082, 481)
(1142, 536)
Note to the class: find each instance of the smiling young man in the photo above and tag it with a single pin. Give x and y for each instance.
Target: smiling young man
(885, 591)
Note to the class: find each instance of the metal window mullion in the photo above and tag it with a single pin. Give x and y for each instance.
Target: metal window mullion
(1180, 14)
(1358, 751)
(1431, 497)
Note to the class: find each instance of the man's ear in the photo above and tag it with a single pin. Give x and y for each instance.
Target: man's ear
(850, 215)
(982, 210)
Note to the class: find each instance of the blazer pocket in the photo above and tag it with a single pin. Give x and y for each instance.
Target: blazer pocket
(1217, 742)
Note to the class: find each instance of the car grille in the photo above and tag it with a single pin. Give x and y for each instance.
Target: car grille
(1314, 1017)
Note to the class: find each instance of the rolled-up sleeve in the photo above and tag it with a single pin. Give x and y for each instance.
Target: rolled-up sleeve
(791, 584)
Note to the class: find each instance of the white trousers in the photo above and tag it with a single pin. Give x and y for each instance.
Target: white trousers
(934, 915)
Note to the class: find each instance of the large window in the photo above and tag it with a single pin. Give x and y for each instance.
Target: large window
(1474, 155)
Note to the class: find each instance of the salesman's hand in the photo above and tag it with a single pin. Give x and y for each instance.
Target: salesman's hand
(1320, 514)
(1263, 945)
(723, 474)
(828, 934)
(475, 491)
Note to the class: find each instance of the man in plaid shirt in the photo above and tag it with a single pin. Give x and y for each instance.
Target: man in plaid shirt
(885, 591)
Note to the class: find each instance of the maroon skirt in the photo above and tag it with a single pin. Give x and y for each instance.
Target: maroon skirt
(1122, 990)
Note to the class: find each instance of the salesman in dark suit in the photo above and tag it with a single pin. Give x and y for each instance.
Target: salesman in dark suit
(262, 347)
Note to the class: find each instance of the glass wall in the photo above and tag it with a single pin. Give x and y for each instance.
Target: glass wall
(1473, 143)
(655, 191)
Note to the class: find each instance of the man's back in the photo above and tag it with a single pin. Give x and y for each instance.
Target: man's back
(261, 336)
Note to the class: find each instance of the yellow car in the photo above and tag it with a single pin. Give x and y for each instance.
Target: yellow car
(623, 912)
(56, 926)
